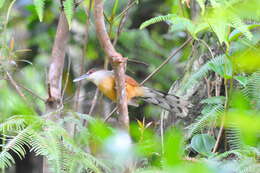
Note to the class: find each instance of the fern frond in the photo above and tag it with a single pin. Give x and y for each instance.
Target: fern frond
(223, 67)
(253, 87)
(194, 79)
(63, 154)
(13, 123)
(233, 135)
(157, 19)
(237, 23)
(224, 155)
(213, 64)
(210, 113)
(248, 166)
(214, 100)
(48, 139)
(69, 10)
(76, 118)
(16, 144)
(39, 6)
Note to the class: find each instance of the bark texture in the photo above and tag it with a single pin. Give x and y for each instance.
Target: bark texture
(117, 61)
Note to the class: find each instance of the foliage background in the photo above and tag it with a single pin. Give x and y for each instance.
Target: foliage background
(150, 45)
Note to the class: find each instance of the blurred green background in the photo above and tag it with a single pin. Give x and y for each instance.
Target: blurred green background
(218, 72)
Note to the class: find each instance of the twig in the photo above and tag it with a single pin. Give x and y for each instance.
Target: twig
(166, 61)
(138, 62)
(110, 114)
(85, 38)
(18, 90)
(94, 102)
(123, 20)
(129, 5)
(31, 92)
(221, 130)
(219, 134)
(162, 131)
(210, 51)
(15, 86)
(117, 61)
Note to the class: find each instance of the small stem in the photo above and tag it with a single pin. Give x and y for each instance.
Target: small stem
(221, 130)
(126, 9)
(18, 90)
(94, 102)
(85, 38)
(166, 61)
(3, 143)
(162, 131)
(110, 114)
(31, 92)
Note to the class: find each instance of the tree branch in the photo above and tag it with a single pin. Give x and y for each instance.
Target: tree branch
(55, 73)
(118, 63)
(57, 63)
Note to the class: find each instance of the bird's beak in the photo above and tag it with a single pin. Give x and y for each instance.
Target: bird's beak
(84, 76)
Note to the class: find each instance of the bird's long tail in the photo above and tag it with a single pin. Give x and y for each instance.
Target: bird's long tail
(167, 101)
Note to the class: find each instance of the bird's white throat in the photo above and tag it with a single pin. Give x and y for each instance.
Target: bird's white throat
(99, 75)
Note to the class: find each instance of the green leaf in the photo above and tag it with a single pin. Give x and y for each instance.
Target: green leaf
(223, 68)
(221, 30)
(243, 80)
(68, 9)
(203, 144)
(210, 113)
(214, 100)
(115, 8)
(237, 32)
(156, 20)
(39, 6)
(173, 146)
(2, 3)
(237, 23)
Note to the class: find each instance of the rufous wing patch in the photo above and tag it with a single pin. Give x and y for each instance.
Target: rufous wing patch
(130, 81)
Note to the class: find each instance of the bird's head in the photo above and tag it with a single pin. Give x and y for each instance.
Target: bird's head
(86, 75)
(94, 75)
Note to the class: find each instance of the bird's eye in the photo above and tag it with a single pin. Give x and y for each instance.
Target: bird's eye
(91, 71)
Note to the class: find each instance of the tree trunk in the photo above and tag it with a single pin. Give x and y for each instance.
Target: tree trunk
(55, 74)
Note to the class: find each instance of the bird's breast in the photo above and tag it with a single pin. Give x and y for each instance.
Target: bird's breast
(107, 87)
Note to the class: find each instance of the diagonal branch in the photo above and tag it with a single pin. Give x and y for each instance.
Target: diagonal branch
(167, 60)
(118, 63)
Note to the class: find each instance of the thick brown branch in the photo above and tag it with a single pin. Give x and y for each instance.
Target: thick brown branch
(117, 61)
(57, 61)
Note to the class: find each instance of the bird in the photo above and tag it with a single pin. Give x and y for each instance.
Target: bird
(105, 82)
